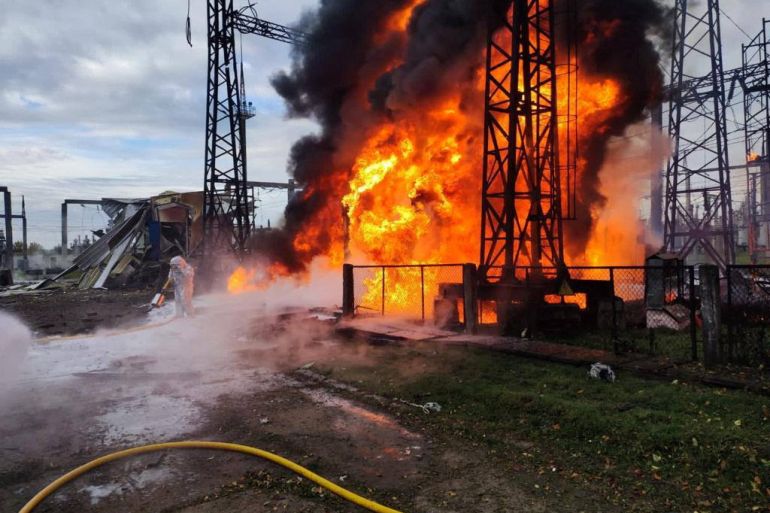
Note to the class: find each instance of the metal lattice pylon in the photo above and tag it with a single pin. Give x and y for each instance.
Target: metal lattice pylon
(521, 200)
(229, 200)
(226, 202)
(755, 82)
(698, 196)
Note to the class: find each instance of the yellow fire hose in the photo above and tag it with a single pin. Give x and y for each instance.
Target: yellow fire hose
(252, 451)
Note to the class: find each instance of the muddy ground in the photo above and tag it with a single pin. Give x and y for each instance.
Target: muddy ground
(72, 311)
(243, 374)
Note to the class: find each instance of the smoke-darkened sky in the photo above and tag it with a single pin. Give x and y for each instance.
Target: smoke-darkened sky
(105, 99)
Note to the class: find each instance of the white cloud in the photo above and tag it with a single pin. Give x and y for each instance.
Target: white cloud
(106, 99)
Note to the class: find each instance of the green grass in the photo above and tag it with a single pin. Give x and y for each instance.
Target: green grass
(653, 446)
(676, 345)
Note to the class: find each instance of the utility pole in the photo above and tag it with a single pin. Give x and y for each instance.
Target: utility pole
(25, 242)
(8, 217)
(228, 202)
(699, 165)
(225, 214)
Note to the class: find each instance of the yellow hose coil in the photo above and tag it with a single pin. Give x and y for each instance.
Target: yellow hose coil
(252, 451)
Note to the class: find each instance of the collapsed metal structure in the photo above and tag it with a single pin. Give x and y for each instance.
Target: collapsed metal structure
(228, 202)
(698, 128)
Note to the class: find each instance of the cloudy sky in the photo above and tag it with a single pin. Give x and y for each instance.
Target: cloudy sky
(105, 99)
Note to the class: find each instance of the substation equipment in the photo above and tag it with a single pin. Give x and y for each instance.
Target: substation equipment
(699, 212)
(529, 168)
(528, 180)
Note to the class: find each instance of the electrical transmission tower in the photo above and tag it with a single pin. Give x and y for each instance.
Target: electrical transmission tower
(755, 82)
(228, 202)
(698, 196)
(521, 194)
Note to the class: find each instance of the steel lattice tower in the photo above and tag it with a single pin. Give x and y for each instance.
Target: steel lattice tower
(521, 200)
(226, 201)
(755, 82)
(698, 196)
(228, 211)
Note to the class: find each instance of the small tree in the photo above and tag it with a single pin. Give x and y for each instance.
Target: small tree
(32, 248)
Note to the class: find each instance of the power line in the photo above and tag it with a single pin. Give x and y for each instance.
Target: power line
(733, 22)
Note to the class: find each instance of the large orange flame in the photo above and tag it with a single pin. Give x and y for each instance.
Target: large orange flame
(413, 195)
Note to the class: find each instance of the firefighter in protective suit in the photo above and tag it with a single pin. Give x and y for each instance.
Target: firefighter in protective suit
(182, 276)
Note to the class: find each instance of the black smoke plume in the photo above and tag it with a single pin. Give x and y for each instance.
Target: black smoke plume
(613, 41)
(345, 80)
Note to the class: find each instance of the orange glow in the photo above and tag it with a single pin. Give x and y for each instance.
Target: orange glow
(255, 279)
(752, 157)
(240, 280)
(400, 21)
(581, 300)
(487, 312)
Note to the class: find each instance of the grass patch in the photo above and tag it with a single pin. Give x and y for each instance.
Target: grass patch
(648, 445)
(676, 345)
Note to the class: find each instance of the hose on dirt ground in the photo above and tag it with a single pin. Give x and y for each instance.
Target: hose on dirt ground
(244, 449)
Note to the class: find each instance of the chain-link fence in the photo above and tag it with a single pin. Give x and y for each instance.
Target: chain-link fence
(653, 309)
(419, 292)
(644, 309)
(747, 315)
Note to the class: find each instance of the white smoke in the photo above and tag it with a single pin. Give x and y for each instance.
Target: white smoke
(15, 339)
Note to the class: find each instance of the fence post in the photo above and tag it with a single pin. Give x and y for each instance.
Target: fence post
(348, 291)
(730, 321)
(693, 327)
(712, 315)
(383, 291)
(614, 330)
(470, 299)
(422, 290)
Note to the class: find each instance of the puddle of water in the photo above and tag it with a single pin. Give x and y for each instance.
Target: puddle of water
(137, 480)
(148, 419)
